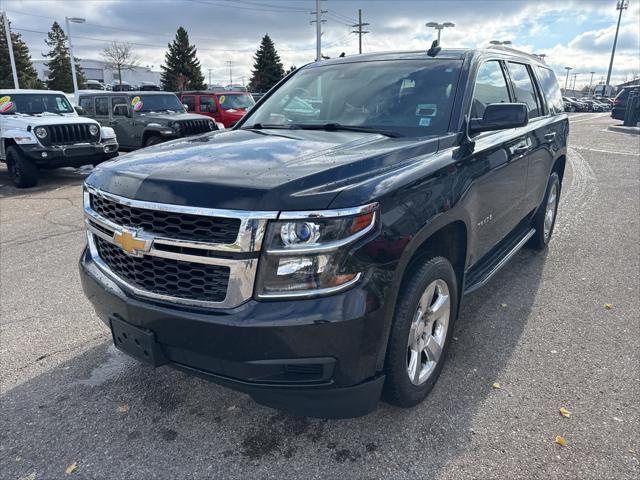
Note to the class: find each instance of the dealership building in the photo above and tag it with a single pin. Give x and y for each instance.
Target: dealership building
(100, 70)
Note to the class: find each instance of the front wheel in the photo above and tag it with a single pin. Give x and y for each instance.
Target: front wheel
(421, 333)
(153, 140)
(545, 218)
(22, 170)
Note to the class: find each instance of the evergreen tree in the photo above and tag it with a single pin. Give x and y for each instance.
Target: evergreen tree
(267, 67)
(182, 68)
(27, 76)
(292, 69)
(59, 65)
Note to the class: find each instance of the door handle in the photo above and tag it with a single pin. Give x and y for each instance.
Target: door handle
(521, 149)
(550, 137)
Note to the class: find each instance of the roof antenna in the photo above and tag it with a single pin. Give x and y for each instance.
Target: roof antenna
(435, 49)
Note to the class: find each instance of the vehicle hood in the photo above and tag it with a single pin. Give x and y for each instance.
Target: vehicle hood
(166, 118)
(38, 120)
(257, 169)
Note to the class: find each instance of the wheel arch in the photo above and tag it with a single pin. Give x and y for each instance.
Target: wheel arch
(559, 166)
(443, 237)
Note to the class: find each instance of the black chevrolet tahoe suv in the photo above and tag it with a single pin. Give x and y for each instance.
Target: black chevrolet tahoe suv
(316, 255)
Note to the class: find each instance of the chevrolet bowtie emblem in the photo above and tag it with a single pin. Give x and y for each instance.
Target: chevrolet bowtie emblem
(131, 243)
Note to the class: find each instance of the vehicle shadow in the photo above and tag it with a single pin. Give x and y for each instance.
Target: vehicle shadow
(119, 419)
(48, 180)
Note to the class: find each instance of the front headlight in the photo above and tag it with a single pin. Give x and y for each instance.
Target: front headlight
(40, 132)
(93, 130)
(306, 254)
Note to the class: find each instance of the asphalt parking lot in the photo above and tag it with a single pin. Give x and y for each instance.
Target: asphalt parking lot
(541, 329)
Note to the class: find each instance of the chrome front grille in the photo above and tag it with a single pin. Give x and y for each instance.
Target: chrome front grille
(180, 226)
(165, 276)
(151, 250)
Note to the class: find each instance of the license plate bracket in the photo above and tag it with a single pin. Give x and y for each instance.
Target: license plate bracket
(137, 342)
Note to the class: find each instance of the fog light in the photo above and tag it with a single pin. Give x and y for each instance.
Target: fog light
(44, 154)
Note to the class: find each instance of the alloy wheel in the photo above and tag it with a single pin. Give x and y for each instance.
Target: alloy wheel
(428, 332)
(550, 212)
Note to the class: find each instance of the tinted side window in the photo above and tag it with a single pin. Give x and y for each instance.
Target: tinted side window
(491, 87)
(102, 106)
(86, 103)
(190, 102)
(524, 89)
(551, 90)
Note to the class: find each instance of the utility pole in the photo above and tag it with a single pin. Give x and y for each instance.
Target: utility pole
(566, 79)
(230, 75)
(318, 21)
(591, 82)
(360, 32)
(210, 70)
(575, 76)
(10, 46)
(621, 5)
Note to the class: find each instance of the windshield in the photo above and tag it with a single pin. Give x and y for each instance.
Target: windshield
(236, 101)
(34, 103)
(156, 103)
(408, 97)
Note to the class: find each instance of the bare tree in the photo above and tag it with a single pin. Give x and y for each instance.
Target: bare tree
(119, 56)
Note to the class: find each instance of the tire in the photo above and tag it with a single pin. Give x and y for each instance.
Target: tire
(544, 219)
(429, 284)
(152, 140)
(22, 170)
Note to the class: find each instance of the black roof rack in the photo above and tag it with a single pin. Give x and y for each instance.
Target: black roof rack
(517, 52)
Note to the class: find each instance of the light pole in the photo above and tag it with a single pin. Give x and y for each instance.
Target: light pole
(439, 27)
(73, 62)
(621, 5)
(498, 42)
(7, 32)
(567, 78)
(591, 82)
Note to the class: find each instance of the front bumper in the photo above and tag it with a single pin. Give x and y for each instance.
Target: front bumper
(314, 357)
(70, 155)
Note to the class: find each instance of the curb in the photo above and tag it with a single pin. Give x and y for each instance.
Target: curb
(623, 129)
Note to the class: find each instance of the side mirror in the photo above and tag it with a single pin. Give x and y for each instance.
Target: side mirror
(80, 111)
(121, 110)
(500, 116)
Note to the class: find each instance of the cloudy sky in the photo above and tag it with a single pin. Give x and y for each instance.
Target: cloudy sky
(571, 33)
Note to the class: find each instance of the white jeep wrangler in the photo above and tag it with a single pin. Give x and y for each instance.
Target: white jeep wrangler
(39, 129)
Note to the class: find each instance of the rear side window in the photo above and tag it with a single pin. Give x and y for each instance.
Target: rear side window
(86, 103)
(190, 102)
(551, 90)
(491, 87)
(102, 106)
(117, 101)
(524, 89)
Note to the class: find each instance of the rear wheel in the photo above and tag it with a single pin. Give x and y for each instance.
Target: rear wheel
(545, 218)
(421, 333)
(22, 170)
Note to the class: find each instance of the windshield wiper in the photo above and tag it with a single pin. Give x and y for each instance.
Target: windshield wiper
(335, 127)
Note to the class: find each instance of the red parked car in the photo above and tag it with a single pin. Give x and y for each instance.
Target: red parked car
(224, 107)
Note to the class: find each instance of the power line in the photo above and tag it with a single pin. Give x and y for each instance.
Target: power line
(255, 9)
